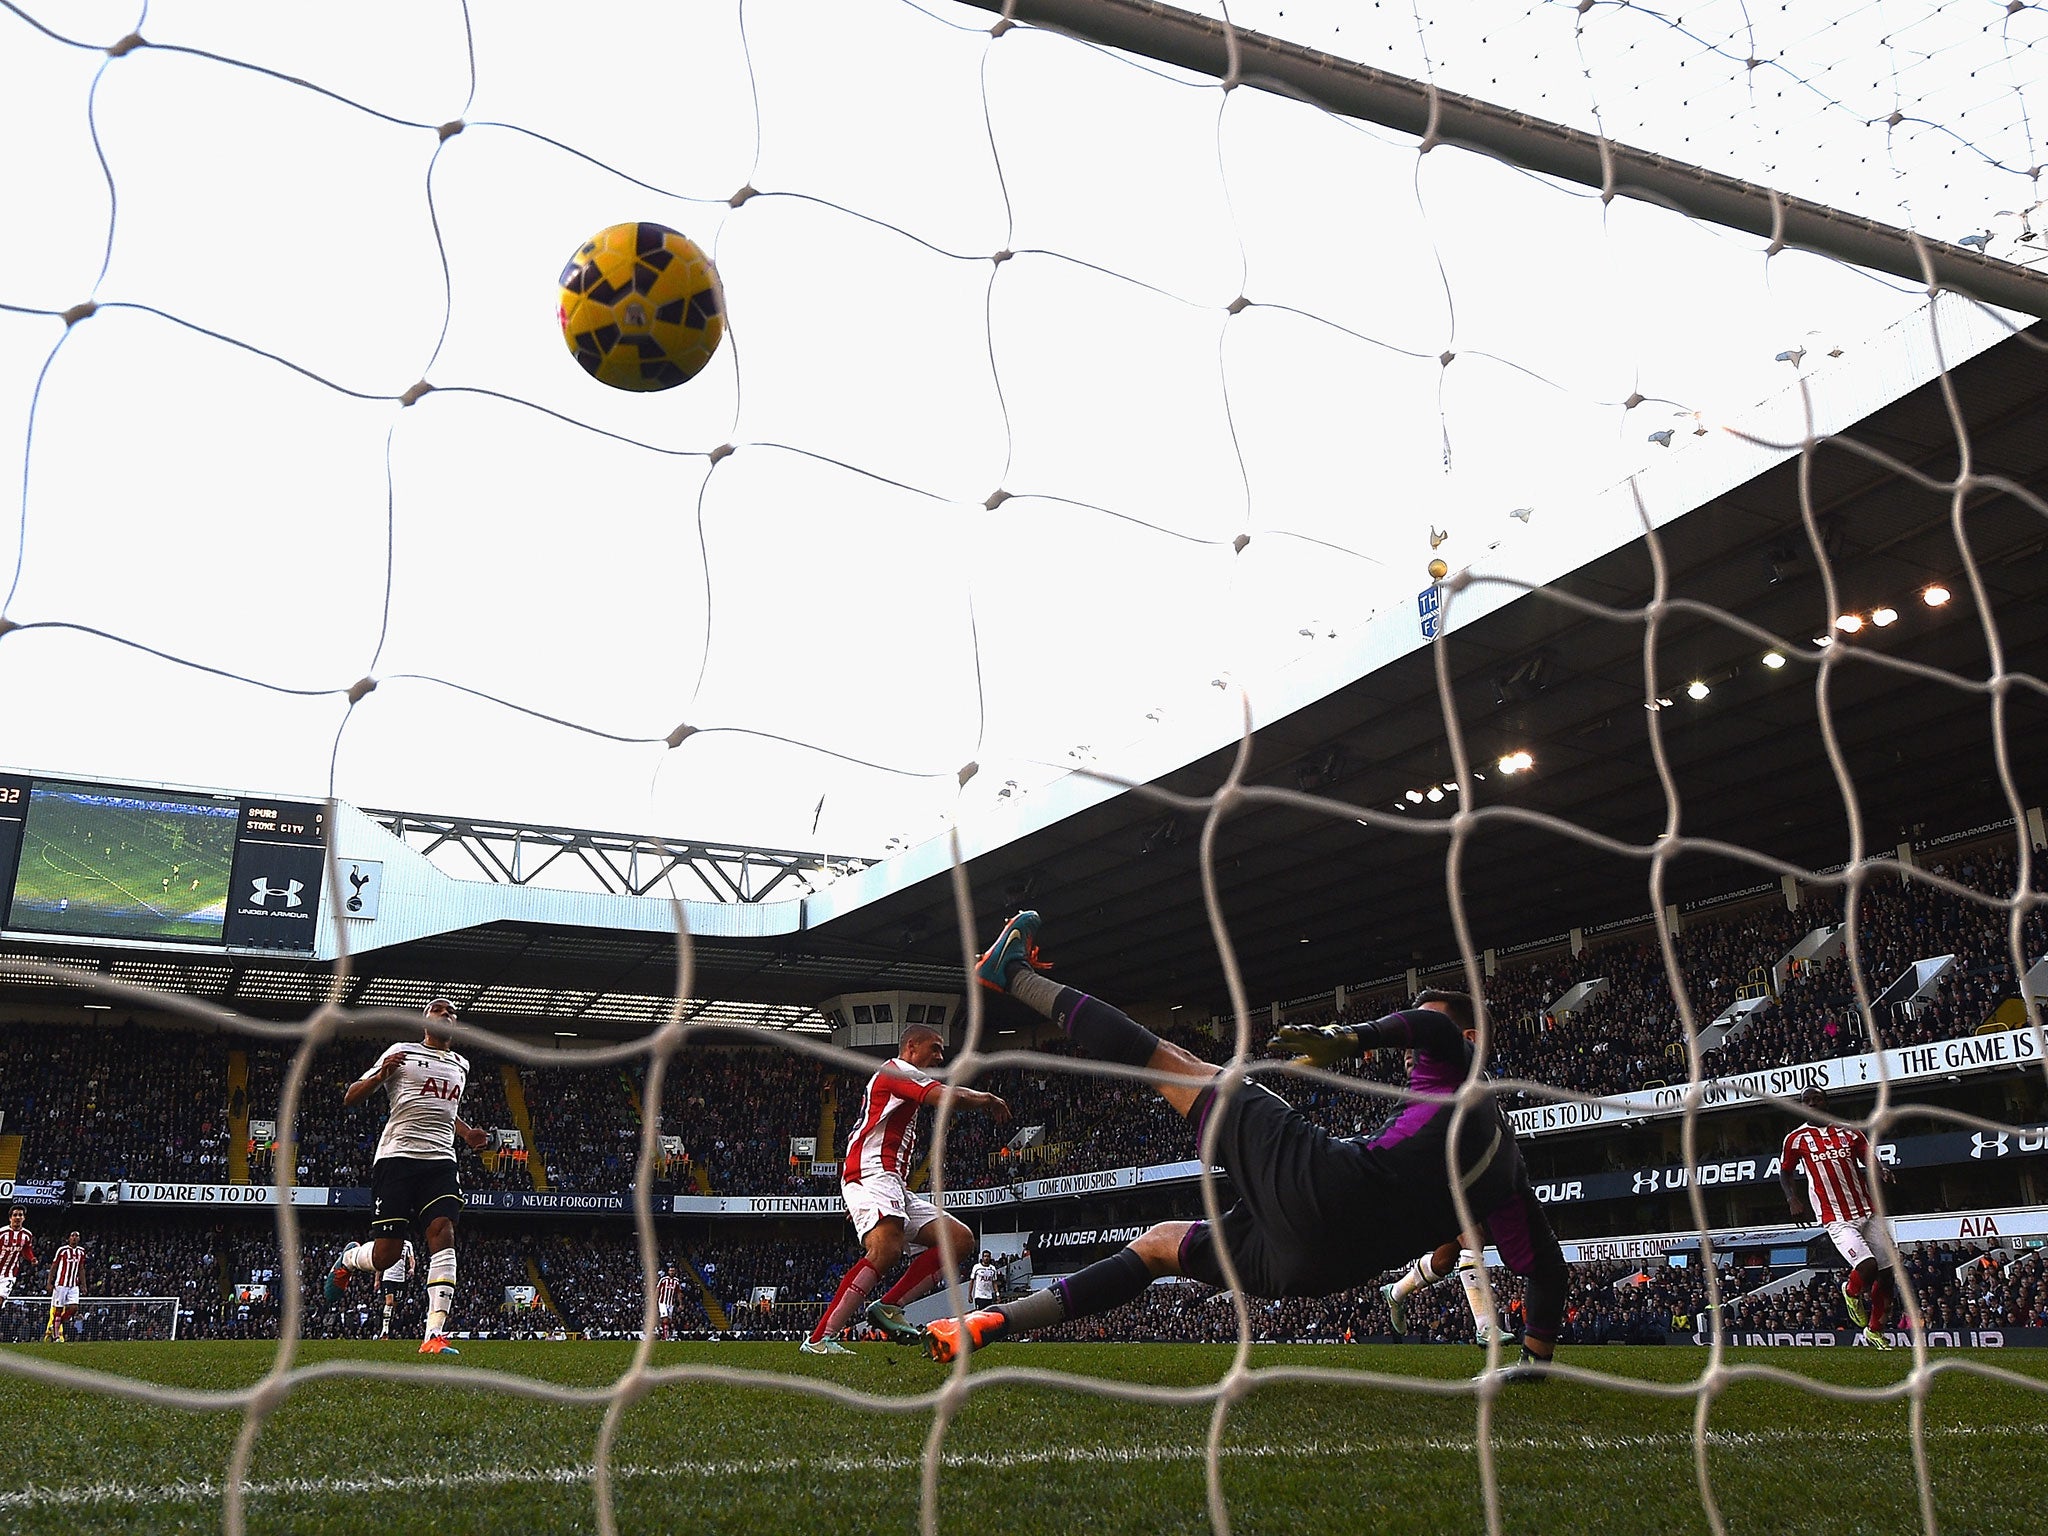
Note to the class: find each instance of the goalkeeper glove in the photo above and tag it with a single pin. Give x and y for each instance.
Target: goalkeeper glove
(1323, 1047)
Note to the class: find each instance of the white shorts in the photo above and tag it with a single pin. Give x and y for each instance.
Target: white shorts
(665, 1311)
(883, 1194)
(6, 1285)
(1859, 1240)
(63, 1295)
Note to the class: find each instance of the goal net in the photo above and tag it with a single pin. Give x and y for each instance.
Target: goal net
(1104, 382)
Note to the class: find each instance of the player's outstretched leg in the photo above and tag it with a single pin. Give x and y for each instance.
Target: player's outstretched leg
(1011, 965)
(1425, 1271)
(1123, 1276)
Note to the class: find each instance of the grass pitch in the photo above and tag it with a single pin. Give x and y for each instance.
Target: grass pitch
(346, 1456)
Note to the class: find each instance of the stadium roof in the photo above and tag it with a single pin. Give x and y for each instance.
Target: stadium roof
(1312, 900)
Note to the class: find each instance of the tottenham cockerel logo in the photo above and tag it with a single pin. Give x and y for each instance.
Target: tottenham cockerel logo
(261, 891)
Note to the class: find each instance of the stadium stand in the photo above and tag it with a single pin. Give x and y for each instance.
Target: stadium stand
(84, 1116)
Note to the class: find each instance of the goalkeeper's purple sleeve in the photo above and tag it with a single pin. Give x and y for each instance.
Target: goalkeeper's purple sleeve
(1421, 1029)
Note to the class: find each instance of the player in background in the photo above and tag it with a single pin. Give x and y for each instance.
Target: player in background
(668, 1291)
(17, 1251)
(880, 1157)
(412, 1177)
(1834, 1159)
(1467, 1256)
(1315, 1213)
(67, 1274)
(983, 1281)
(395, 1279)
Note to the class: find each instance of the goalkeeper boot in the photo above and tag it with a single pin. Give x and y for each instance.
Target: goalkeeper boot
(822, 1347)
(891, 1323)
(437, 1344)
(1531, 1370)
(1875, 1339)
(1397, 1309)
(335, 1290)
(1859, 1307)
(945, 1337)
(1016, 945)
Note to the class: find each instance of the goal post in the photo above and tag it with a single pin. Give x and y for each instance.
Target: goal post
(121, 1317)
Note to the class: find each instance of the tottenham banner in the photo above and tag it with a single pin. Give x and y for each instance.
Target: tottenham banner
(218, 1194)
(2001, 1051)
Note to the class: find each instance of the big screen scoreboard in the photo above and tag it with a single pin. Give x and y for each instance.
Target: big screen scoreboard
(108, 861)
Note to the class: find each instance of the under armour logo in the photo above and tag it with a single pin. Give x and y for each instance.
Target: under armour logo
(1646, 1183)
(261, 890)
(1981, 1144)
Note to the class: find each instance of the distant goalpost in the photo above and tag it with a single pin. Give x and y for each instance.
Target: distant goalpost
(142, 1306)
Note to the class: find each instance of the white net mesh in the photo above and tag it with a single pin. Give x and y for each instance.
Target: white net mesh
(1220, 367)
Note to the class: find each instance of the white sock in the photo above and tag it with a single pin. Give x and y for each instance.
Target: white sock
(357, 1256)
(1412, 1279)
(1472, 1276)
(390, 1306)
(440, 1291)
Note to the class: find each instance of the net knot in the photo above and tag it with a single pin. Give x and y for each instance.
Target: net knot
(1240, 541)
(723, 451)
(449, 129)
(1002, 256)
(127, 45)
(1238, 305)
(680, 734)
(416, 394)
(741, 196)
(967, 771)
(1632, 401)
(995, 499)
(78, 312)
(362, 689)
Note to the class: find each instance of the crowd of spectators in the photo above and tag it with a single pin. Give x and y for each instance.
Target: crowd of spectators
(120, 1102)
(89, 1109)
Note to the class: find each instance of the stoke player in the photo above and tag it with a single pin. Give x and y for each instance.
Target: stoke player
(412, 1178)
(395, 1279)
(887, 1217)
(668, 1291)
(67, 1274)
(1315, 1213)
(17, 1251)
(1834, 1159)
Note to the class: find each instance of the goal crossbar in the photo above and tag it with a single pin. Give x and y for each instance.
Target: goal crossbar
(1173, 36)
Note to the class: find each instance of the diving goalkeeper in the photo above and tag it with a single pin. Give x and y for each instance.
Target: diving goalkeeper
(1315, 1213)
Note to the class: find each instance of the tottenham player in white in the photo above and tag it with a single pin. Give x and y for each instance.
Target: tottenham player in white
(413, 1176)
(983, 1281)
(394, 1282)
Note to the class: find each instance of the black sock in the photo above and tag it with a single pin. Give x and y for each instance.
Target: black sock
(1102, 1031)
(1109, 1283)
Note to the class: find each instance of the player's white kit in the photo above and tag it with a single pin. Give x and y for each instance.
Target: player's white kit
(882, 1151)
(425, 1090)
(401, 1268)
(1833, 1159)
(17, 1252)
(983, 1280)
(67, 1272)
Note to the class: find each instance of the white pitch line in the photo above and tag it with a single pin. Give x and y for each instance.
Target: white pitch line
(207, 1491)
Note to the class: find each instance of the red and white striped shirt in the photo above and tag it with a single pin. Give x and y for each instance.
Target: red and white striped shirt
(886, 1140)
(68, 1266)
(666, 1290)
(17, 1251)
(1832, 1158)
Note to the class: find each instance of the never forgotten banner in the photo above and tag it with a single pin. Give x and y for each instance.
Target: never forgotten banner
(1904, 1064)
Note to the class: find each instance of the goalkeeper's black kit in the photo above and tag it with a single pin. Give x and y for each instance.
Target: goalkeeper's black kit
(1317, 1213)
